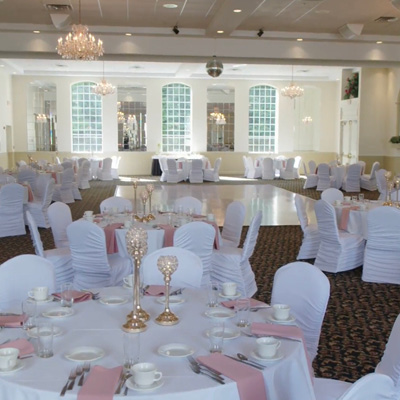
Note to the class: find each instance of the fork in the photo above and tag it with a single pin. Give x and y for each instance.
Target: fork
(196, 364)
(198, 370)
(72, 383)
(70, 377)
(85, 369)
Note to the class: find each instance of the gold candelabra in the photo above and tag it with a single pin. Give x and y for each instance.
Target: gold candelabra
(389, 186)
(136, 243)
(150, 189)
(135, 186)
(397, 186)
(167, 266)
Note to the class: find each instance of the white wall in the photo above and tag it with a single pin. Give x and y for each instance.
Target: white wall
(5, 106)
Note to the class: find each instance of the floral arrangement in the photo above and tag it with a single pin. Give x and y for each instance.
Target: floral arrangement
(351, 89)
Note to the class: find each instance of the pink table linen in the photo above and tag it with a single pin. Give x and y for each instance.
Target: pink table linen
(25, 348)
(111, 240)
(250, 382)
(13, 321)
(253, 304)
(344, 219)
(100, 384)
(155, 290)
(169, 232)
(79, 297)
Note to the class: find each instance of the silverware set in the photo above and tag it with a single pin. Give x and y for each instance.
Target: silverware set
(275, 336)
(246, 361)
(198, 368)
(122, 382)
(78, 372)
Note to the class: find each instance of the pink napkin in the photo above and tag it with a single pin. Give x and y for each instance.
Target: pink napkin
(198, 216)
(100, 384)
(30, 193)
(253, 303)
(168, 235)
(288, 331)
(54, 176)
(250, 382)
(344, 218)
(78, 296)
(155, 290)
(13, 321)
(25, 348)
(111, 240)
(216, 240)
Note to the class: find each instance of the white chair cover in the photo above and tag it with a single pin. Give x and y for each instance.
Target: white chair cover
(174, 175)
(6, 178)
(325, 181)
(64, 191)
(104, 174)
(363, 164)
(288, 171)
(333, 163)
(381, 183)
(83, 177)
(368, 181)
(312, 166)
(188, 274)
(253, 172)
(246, 169)
(28, 175)
(268, 170)
(188, 202)
(196, 172)
(39, 208)
(114, 166)
(212, 175)
(307, 301)
(164, 168)
(233, 224)
(382, 251)
(332, 194)
(197, 237)
(305, 169)
(351, 182)
(311, 179)
(67, 164)
(81, 161)
(116, 202)
(12, 210)
(92, 267)
(296, 167)
(60, 217)
(338, 250)
(310, 244)
(19, 275)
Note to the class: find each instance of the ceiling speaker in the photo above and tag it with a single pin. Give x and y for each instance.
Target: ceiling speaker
(350, 31)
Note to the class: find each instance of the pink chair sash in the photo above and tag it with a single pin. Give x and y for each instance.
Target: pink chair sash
(344, 218)
(111, 240)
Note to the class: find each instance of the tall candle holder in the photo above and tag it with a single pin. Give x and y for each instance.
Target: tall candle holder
(397, 186)
(150, 189)
(144, 197)
(135, 186)
(389, 186)
(167, 266)
(136, 243)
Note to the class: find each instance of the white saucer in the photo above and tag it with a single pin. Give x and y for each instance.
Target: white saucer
(85, 353)
(276, 357)
(57, 331)
(125, 286)
(49, 298)
(229, 333)
(175, 350)
(232, 296)
(172, 300)
(281, 321)
(59, 312)
(220, 313)
(19, 365)
(113, 300)
(132, 385)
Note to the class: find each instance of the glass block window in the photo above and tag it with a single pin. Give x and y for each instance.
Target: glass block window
(87, 119)
(176, 118)
(262, 119)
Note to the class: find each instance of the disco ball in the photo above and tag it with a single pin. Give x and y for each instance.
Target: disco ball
(214, 67)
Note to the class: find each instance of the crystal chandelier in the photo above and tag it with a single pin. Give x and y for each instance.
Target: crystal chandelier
(218, 118)
(307, 120)
(41, 118)
(292, 90)
(103, 88)
(80, 44)
(121, 117)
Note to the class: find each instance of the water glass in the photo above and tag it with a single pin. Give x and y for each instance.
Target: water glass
(45, 335)
(213, 293)
(29, 308)
(67, 295)
(361, 197)
(242, 309)
(216, 336)
(131, 343)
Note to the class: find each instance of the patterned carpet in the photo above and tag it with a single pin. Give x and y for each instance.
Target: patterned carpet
(359, 317)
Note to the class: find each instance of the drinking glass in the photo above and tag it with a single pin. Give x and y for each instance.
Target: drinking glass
(67, 295)
(131, 343)
(216, 337)
(213, 293)
(29, 308)
(242, 309)
(45, 335)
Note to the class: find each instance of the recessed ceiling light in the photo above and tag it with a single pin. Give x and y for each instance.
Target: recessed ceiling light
(237, 10)
(379, 42)
(299, 39)
(220, 31)
(170, 5)
(36, 31)
(128, 34)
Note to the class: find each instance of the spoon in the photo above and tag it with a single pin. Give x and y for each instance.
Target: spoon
(244, 358)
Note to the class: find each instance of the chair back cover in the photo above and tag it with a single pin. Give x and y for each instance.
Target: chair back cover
(301, 211)
(188, 202)
(327, 223)
(188, 274)
(12, 210)
(332, 194)
(116, 202)
(246, 169)
(35, 235)
(362, 163)
(81, 160)
(60, 217)
(351, 182)
(196, 172)
(307, 301)
(312, 166)
(268, 170)
(64, 192)
(233, 223)
(375, 167)
(324, 181)
(19, 275)
(251, 237)
(66, 164)
(381, 182)
(28, 175)
(84, 175)
(289, 164)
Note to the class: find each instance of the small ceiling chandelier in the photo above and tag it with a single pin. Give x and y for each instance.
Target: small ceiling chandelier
(41, 118)
(214, 67)
(218, 118)
(80, 44)
(307, 120)
(103, 88)
(292, 90)
(121, 117)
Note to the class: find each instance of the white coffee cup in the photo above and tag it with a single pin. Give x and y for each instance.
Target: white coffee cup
(229, 288)
(128, 280)
(88, 213)
(347, 198)
(338, 202)
(39, 293)
(267, 346)
(281, 311)
(145, 374)
(8, 358)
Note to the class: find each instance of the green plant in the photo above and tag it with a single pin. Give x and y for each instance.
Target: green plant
(351, 89)
(395, 139)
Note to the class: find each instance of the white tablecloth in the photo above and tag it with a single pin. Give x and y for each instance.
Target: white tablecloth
(95, 324)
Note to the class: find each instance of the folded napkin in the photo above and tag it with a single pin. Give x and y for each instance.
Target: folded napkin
(111, 240)
(250, 381)
(77, 296)
(13, 321)
(155, 290)
(169, 232)
(100, 384)
(253, 304)
(344, 218)
(25, 348)
(284, 331)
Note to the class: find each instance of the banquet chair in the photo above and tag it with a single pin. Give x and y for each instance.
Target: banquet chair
(196, 172)
(296, 167)
(114, 166)
(382, 251)
(288, 171)
(6, 178)
(363, 164)
(324, 180)
(233, 224)
(212, 174)
(64, 191)
(173, 174)
(19, 275)
(60, 257)
(39, 207)
(311, 178)
(197, 237)
(187, 203)
(81, 161)
(333, 163)
(246, 169)
(28, 175)
(268, 170)
(338, 250)
(116, 202)
(253, 172)
(83, 176)
(351, 182)
(188, 274)
(164, 168)
(60, 217)
(310, 243)
(312, 166)
(21, 163)
(67, 164)
(104, 173)
(232, 264)
(94, 168)
(307, 301)
(12, 210)
(332, 194)
(90, 262)
(381, 183)
(368, 181)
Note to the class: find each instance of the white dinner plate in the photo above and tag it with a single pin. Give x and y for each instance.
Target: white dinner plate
(19, 365)
(132, 385)
(172, 300)
(175, 350)
(49, 298)
(220, 313)
(229, 333)
(281, 321)
(113, 300)
(276, 357)
(84, 353)
(57, 331)
(59, 312)
(233, 296)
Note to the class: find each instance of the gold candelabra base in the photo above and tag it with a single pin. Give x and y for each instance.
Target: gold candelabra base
(134, 325)
(140, 313)
(167, 318)
(388, 203)
(151, 217)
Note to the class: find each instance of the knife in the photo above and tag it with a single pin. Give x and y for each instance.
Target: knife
(249, 363)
